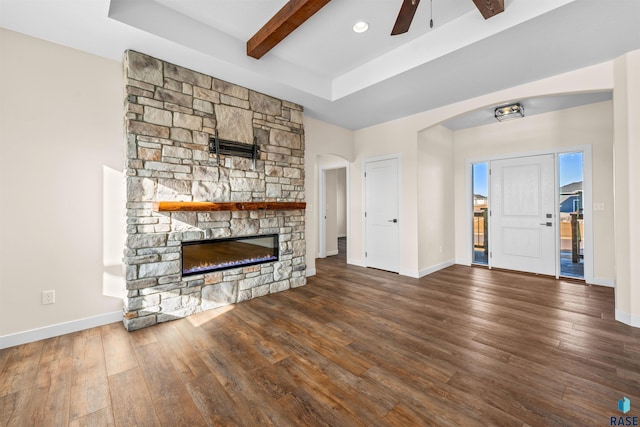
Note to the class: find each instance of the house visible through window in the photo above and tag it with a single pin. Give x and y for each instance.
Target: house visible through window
(571, 215)
(480, 178)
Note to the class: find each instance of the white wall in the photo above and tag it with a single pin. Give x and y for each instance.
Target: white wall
(435, 199)
(626, 99)
(321, 139)
(399, 138)
(586, 125)
(61, 210)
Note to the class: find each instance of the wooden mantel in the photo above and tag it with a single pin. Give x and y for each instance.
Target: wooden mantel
(226, 206)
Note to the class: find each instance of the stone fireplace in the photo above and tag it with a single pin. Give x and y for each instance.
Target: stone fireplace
(171, 113)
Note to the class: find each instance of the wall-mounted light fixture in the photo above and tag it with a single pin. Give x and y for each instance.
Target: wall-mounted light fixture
(509, 112)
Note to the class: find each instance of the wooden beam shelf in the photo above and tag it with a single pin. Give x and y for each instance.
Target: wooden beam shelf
(226, 206)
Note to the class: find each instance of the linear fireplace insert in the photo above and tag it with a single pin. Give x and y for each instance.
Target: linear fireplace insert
(205, 256)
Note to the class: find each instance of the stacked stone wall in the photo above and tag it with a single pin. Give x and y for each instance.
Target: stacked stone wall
(170, 114)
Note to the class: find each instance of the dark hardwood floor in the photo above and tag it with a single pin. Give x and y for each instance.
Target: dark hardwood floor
(342, 249)
(355, 347)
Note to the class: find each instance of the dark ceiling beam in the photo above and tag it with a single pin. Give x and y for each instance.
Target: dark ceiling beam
(291, 16)
(489, 8)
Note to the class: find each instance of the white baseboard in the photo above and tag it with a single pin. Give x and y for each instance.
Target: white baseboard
(627, 318)
(310, 272)
(331, 253)
(435, 268)
(58, 329)
(358, 262)
(410, 273)
(602, 281)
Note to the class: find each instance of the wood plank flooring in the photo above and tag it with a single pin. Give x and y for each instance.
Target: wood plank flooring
(355, 347)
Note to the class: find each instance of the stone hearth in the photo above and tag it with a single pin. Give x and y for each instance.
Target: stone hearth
(170, 114)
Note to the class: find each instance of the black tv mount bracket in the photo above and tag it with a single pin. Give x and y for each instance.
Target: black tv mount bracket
(225, 147)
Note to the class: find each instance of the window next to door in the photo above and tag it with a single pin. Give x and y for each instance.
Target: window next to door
(480, 186)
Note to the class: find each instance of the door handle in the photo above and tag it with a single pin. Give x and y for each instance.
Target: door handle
(392, 220)
(548, 224)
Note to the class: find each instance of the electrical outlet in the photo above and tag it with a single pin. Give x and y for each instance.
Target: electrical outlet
(48, 297)
(598, 206)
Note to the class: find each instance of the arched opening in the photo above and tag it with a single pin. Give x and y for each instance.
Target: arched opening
(333, 206)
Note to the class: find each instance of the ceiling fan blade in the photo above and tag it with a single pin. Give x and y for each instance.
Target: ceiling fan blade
(489, 8)
(405, 16)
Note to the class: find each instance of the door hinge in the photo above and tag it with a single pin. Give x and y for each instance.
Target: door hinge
(490, 254)
(365, 214)
(365, 174)
(489, 171)
(365, 254)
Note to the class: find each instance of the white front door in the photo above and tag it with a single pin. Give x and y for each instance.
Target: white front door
(523, 214)
(381, 215)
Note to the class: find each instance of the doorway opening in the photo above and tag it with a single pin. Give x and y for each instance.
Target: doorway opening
(480, 191)
(333, 207)
(570, 173)
(563, 235)
(335, 212)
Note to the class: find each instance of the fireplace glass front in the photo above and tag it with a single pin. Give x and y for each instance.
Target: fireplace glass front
(206, 256)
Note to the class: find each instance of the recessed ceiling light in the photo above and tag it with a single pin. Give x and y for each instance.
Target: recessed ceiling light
(360, 27)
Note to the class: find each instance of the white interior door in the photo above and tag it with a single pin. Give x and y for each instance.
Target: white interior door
(381, 215)
(523, 214)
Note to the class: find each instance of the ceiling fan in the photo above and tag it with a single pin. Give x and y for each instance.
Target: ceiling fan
(487, 8)
(295, 12)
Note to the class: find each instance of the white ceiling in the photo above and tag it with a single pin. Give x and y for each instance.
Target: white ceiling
(351, 80)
